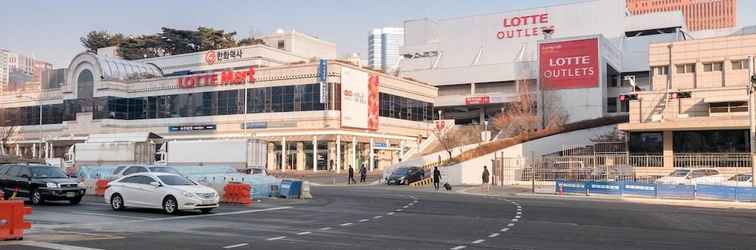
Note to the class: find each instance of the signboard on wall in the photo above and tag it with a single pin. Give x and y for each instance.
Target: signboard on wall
(473, 100)
(373, 99)
(189, 128)
(569, 64)
(354, 98)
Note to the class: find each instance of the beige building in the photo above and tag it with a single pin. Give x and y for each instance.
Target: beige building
(696, 113)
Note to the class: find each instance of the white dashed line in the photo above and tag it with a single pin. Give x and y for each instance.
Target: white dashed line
(478, 241)
(458, 247)
(345, 224)
(398, 210)
(504, 229)
(518, 217)
(364, 220)
(515, 220)
(510, 224)
(325, 229)
(304, 233)
(405, 206)
(493, 235)
(390, 213)
(377, 217)
(277, 238)
(235, 246)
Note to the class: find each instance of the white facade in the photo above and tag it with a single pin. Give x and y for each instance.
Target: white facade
(384, 48)
(481, 57)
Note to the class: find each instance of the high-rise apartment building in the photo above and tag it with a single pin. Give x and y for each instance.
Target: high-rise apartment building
(20, 72)
(383, 48)
(699, 14)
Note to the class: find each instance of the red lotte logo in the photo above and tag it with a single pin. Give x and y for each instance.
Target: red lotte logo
(227, 77)
(211, 57)
(524, 26)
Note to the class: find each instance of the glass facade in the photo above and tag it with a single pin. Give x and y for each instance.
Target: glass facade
(719, 141)
(291, 98)
(646, 143)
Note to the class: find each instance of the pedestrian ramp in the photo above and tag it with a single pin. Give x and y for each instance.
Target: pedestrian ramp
(423, 182)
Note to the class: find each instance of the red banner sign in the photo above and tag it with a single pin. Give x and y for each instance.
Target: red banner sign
(373, 101)
(227, 77)
(477, 100)
(569, 64)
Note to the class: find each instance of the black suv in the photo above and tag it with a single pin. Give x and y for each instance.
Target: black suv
(39, 183)
(405, 175)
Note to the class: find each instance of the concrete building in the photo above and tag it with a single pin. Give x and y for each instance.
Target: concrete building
(300, 44)
(314, 116)
(481, 63)
(699, 14)
(22, 73)
(383, 48)
(697, 108)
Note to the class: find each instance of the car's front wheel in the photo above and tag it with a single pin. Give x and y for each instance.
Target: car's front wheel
(36, 197)
(116, 202)
(170, 206)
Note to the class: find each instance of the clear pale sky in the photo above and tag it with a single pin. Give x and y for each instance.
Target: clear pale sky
(50, 30)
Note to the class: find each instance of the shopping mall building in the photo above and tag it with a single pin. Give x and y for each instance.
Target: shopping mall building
(313, 114)
(579, 53)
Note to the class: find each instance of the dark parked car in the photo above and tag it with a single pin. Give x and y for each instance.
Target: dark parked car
(406, 175)
(39, 183)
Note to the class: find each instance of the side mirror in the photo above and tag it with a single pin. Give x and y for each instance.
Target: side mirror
(155, 184)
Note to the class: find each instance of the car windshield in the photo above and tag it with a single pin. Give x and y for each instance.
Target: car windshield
(47, 172)
(400, 171)
(175, 180)
(169, 170)
(680, 173)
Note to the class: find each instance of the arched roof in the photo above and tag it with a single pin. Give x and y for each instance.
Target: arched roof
(116, 69)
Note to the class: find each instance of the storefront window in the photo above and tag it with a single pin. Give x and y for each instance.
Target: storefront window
(721, 141)
(650, 143)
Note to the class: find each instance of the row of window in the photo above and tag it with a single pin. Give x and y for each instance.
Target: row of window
(719, 141)
(690, 68)
(292, 98)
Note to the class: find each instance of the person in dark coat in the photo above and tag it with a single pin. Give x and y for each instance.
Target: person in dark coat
(436, 178)
(485, 175)
(363, 174)
(350, 178)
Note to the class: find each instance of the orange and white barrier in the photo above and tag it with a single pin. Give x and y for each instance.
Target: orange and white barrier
(12, 224)
(234, 192)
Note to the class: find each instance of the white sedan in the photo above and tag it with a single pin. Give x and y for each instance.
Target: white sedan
(169, 192)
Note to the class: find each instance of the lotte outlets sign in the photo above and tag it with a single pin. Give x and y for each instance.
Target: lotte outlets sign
(569, 64)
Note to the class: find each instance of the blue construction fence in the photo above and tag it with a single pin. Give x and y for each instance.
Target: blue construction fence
(657, 190)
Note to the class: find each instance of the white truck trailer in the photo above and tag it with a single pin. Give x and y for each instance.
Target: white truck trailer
(114, 149)
(239, 153)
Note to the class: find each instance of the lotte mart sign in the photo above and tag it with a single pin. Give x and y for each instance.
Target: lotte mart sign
(569, 64)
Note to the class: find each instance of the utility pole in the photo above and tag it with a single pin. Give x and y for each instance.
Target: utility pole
(752, 118)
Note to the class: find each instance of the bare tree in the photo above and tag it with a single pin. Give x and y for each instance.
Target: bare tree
(5, 134)
(522, 116)
(458, 136)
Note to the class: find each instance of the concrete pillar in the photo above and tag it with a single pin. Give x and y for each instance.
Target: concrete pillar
(401, 149)
(315, 154)
(667, 149)
(338, 153)
(301, 156)
(271, 163)
(284, 151)
(18, 150)
(482, 114)
(372, 154)
(2, 148)
(331, 156)
(354, 153)
(34, 150)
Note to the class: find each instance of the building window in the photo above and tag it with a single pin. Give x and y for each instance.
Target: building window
(714, 141)
(728, 107)
(739, 64)
(611, 105)
(660, 70)
(281, 44)
(650, 143)
(688, 68)
(625, 106)
(712, 66)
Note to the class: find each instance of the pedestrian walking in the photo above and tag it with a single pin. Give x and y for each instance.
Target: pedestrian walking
(436, 178)
(363, 174)
(350, 178)
(485, 176)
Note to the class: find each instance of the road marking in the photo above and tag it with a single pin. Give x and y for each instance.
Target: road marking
(405, 206)
(345, 224)
(519, 207)
(510, 224)
(458, 247)
(377, 217)
(52, 245)
(518, 217)
(515, 220)
(398, 210)
(493, 235)
(326, 228)
(504, 229)
(364, 220)
(277, 238)
(237, 245)
(390, 213)
(110, 215)
(95, 204)
(519, 212)
(304, 233)
(478, 241)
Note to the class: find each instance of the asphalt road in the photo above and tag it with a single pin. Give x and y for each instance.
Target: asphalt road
(378, 217)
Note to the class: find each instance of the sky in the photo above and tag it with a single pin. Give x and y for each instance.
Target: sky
(50, 30)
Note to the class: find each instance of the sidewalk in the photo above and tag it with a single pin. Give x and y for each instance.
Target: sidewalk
(327, 178)
(521, 191)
